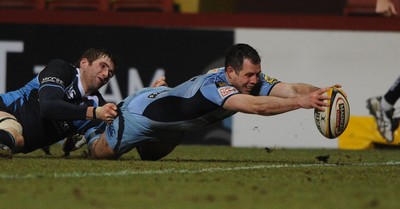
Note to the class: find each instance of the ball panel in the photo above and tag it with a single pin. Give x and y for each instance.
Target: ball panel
(340, 116)
(322, 118)
(320, 121)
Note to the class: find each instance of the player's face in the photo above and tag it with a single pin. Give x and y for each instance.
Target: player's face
(98, 73)
(247, 77)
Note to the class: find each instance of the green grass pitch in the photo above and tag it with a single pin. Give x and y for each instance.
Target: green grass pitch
(204, 177)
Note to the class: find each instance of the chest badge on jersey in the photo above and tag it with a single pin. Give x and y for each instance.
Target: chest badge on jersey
(226, 91)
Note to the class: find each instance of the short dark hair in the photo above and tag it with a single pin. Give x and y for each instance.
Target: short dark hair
(238, 53)
(93, 54)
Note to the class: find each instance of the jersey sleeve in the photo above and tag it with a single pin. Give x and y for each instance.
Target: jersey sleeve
(264, 86)
(53, 80)
(218, 93)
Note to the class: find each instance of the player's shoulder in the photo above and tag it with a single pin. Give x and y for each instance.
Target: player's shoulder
(60, 64)
(60, 67)
(57, 62)
(58, 71)
(216, 70)
(219, 78)
(268, 79)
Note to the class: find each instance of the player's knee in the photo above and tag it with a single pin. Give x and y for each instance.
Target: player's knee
(9, 124)
(152, 151)
(99, 149)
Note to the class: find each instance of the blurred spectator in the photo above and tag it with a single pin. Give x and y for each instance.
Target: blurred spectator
(386, 7)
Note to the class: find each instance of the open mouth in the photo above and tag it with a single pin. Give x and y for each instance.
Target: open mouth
(248, 88)
(101, 80)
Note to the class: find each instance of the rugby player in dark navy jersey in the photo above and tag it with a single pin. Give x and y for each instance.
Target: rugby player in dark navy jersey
(61, 101)
(153, 120)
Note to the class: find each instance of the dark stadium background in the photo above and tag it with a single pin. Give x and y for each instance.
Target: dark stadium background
(182, 53)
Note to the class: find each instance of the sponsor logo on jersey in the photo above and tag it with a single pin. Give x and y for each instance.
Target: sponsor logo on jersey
(226, 91)
(270, 80)
(154, 95)
(53, 80)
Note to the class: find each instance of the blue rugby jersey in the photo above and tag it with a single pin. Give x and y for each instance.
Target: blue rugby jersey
(164, 113)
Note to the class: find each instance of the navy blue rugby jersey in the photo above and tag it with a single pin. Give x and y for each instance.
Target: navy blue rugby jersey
(51, 106)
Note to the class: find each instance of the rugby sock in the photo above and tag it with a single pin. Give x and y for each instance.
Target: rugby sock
(386, 106)
(393, 94)
(7, 139)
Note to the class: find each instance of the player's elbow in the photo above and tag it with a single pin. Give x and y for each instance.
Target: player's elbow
(259, 110)
(46, 110)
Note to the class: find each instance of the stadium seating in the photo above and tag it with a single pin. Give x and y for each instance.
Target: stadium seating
(360, 8)
(334, 7)
(365, 7)
(22, 4)
(142, 5)
(91, 5)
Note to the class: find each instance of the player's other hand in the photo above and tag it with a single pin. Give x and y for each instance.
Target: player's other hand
(160, 82)
(107, 112)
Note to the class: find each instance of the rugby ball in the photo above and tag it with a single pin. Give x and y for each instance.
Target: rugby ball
(332, 122)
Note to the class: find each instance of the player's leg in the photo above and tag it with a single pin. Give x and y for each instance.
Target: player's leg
(99, 148)
(159, 147)
(11, 138)
(384, 119)
(155, 150)
(382, 108)
(73, 143)
(391, 96)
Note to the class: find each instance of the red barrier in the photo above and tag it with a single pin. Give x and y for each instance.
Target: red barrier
(211, 20)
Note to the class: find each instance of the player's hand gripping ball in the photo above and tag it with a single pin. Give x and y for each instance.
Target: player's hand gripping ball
(333, 121)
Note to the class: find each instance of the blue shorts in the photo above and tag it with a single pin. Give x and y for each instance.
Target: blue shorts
(130, 129)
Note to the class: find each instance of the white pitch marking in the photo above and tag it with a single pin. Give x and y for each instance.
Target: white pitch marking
(183, 171)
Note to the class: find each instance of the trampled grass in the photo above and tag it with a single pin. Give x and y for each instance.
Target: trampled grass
(204, 177)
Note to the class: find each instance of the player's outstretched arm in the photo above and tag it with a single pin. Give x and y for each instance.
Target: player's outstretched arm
(273, 105)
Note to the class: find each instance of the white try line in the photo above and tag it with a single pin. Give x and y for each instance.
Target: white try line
(184, 171)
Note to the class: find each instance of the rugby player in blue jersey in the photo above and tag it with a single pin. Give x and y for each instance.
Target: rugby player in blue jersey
(153, 120)
(61, 101)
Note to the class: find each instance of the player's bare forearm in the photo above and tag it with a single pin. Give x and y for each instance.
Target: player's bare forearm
(273, 105)
(285, 90)
(303, 88)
